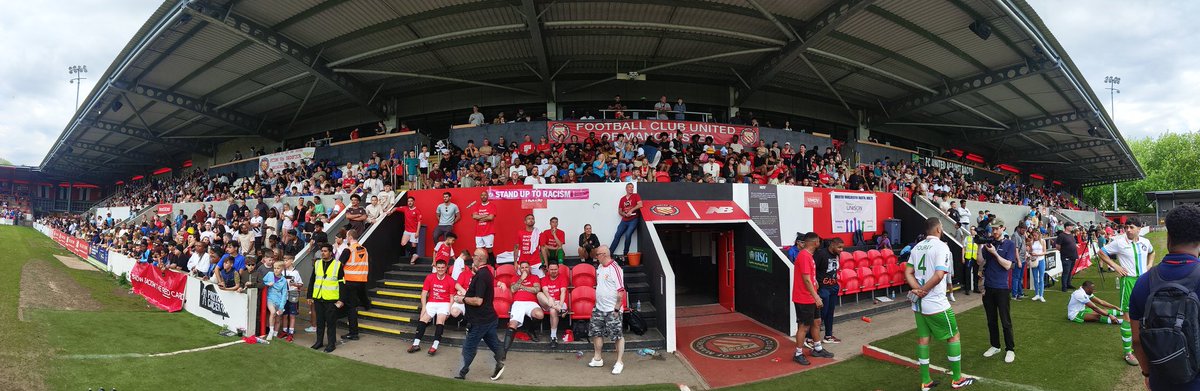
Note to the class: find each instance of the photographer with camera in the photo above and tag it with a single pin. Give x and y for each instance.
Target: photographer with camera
(995, 257)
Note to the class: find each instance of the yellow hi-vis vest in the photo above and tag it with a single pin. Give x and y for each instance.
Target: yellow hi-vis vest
(969, 248)
(357, 267)
(325, 286)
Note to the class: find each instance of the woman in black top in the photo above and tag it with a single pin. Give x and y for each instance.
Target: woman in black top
(587, 243)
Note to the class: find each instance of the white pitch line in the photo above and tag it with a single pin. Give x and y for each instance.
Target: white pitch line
(137, 355)
(1020, 386)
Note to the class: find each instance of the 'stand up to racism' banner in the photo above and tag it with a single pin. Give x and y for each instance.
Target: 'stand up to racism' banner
(163, 289)
(577, 131)
(536, 198)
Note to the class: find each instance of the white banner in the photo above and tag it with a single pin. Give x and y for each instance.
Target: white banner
(119, 264)
(6, 222)
(277, 161)
(852, 211)
(228, 309)
(119, 213)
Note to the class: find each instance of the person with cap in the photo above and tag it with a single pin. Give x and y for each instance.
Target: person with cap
(1068, 250)
(996, 257)
(1133, 254)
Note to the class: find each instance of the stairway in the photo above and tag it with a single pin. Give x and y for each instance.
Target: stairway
(396, 298)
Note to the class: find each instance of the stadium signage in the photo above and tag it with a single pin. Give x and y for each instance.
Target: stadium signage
(538, 194)
(211, 301)
(735, 346)
(98, 253)
(278, 161)
(758, 258)
(562, 131)
(944, 164)
(165, 209)
(674, 210)
(163, 289)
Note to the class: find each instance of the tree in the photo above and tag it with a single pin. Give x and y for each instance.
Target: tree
(1171, 162)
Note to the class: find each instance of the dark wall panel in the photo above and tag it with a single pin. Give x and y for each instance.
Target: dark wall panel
(686, 191)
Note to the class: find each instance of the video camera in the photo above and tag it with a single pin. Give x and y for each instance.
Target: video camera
(983, 231)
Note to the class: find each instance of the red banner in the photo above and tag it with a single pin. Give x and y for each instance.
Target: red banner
(73, 244)
(537, 194)
(661, 210)
(165, 209)
(563, 131)
(163, 289)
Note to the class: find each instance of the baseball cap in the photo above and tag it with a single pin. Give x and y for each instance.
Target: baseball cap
(995, 223)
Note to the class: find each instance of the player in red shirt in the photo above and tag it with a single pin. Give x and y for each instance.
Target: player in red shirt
(553, 298)
(629, 208)
(806, 299)
(526, 248)
(444, 250)
(525, 304)
(412, 225)
(485, 230)
(435, 304)
(551, 243)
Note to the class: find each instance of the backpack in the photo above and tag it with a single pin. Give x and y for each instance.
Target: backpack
(1170, 333)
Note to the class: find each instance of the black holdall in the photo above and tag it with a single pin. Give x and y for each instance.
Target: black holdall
(636, 323)
(1170, 332)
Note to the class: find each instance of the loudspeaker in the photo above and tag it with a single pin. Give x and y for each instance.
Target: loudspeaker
(981, 29)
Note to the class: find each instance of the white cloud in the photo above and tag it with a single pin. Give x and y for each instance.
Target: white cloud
(1147, 44)
(43, 38)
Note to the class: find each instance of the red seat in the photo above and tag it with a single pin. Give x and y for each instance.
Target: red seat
(883, 281)
(502, 301)
(866, 279)
(846, 260)
(584, 275)
(887, 254)
(861, 259)
(583, 299)
(896, 270)
(506, 274)
(848, 279)
(875, 256)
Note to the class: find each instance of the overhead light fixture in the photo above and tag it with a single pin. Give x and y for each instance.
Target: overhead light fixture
(981, 29)
(116, 105)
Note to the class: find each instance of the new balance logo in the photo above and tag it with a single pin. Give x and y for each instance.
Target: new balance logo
(719, 210)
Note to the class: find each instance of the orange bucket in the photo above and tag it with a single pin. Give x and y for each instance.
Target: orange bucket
(635, 259)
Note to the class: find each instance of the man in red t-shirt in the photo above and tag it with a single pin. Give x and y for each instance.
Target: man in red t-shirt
(412, 226)
(551, 243)
(525, 304)
(630, 209)
(806, 299)
(435, 305)
(526, 248)
(526, 149)
(553, 298)
(485, 230)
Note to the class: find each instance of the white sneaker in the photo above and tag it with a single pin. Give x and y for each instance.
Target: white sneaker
(596, 363)
(952, 298)
(991, 351)
(310, 329)
(1010, 356)
(617, 368)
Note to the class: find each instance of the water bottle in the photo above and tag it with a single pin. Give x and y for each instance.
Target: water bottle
(638, 308)
(646, 352)
(578, 355)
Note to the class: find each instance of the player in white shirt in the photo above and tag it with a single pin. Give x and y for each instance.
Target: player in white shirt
(1084, 306)
(929, 263)
(1133, 254)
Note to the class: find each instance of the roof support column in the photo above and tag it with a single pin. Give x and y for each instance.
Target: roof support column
(70, 189)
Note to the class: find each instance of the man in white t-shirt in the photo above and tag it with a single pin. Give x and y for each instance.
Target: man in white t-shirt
(1084, 306)
(928, 264)
(964, 214)
(606, 314)
(1133, 254)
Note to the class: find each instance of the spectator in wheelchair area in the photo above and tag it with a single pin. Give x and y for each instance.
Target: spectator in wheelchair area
(436, 294)
(525, 304)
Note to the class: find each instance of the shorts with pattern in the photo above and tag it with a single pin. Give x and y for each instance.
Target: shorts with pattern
(605, 324)
(291, 308)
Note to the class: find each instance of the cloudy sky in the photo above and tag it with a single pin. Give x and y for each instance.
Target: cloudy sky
(1146, 43)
